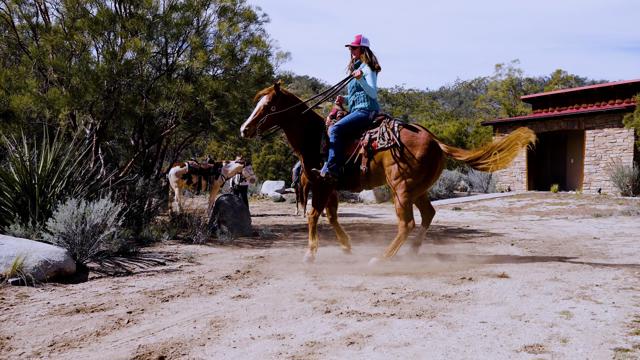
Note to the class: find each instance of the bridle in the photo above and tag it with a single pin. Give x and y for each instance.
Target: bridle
(322, 96)
(224, 178)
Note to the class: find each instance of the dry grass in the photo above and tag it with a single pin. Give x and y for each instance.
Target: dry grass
(16, 270)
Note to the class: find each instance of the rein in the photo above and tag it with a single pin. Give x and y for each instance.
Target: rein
(324, 95)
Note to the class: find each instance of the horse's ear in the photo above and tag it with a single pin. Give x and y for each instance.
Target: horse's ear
(276, 86)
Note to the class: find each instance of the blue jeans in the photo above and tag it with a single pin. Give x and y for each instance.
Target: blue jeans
(340, 134)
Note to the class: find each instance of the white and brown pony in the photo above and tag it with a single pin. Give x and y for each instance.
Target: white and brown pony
(190, 175)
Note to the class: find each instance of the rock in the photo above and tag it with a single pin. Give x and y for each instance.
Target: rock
(367, 197)
(290, 198)
(41, 261)
(374, 196)
(230, 216)
(276, 197)
(271, 186)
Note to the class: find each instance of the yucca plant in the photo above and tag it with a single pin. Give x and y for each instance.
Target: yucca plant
(37, 175)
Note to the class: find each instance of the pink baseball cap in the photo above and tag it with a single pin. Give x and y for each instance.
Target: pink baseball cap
(359, 40)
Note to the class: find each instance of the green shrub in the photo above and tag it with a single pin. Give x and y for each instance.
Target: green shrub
(86, 228)
(145, 198)
(554, 188)
(625, 178)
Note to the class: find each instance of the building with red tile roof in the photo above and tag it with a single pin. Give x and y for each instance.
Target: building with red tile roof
(580, 138)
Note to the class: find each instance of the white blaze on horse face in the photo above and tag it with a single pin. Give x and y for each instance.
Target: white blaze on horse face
(231, 168)
(263, 101)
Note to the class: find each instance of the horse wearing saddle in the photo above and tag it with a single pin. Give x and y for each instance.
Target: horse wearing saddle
(197, 173)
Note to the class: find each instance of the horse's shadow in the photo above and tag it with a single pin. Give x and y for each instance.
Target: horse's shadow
(295, 235)
(514, 259)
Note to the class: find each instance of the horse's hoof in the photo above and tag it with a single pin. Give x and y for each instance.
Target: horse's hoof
(309, 258)
(347, 251)
(374, 261)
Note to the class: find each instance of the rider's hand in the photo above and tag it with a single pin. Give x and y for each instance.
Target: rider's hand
(328, 122)
(357, 74)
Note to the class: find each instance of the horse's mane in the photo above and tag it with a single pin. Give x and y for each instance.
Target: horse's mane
(270, 90)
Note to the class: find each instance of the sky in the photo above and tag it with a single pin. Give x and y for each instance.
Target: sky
(425, 44)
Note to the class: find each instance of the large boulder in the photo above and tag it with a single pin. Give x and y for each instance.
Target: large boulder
(272, 186)
(41, 261)
(230, 216)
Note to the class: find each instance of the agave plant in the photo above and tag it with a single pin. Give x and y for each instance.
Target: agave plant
(37, 176)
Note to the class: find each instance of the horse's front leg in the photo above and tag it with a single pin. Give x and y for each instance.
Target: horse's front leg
(332, 216)
(318, 203)
(178, 199)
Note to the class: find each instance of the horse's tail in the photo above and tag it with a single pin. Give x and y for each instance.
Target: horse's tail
(496, 155)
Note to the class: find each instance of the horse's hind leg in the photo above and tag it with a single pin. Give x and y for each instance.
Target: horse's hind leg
(404, 211)
(332, 216)
(427, 212)
(296, 188)
(305, 187)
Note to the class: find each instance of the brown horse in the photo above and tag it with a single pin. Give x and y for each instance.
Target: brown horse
(410, 169)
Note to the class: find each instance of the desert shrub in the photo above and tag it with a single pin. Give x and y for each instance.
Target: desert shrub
(446, 185)
(145, 199)
(190, 228)
(625, 178)
(481, 181)
(28, 231)
(38, 174)
(86, 228)
(554, 188)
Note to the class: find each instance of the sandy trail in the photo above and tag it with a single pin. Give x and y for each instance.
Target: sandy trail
(533, 276)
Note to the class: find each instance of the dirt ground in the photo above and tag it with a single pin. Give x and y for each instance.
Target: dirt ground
(530, 276)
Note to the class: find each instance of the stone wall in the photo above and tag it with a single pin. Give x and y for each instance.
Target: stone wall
(607, 143)
(513, 178)
(605, 148)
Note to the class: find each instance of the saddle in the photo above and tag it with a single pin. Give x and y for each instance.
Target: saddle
(208, 171)
(203, 169)
(383, 134)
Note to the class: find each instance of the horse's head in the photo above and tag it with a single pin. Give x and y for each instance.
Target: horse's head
(247, 173)
(231, 168)
(268, 113)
